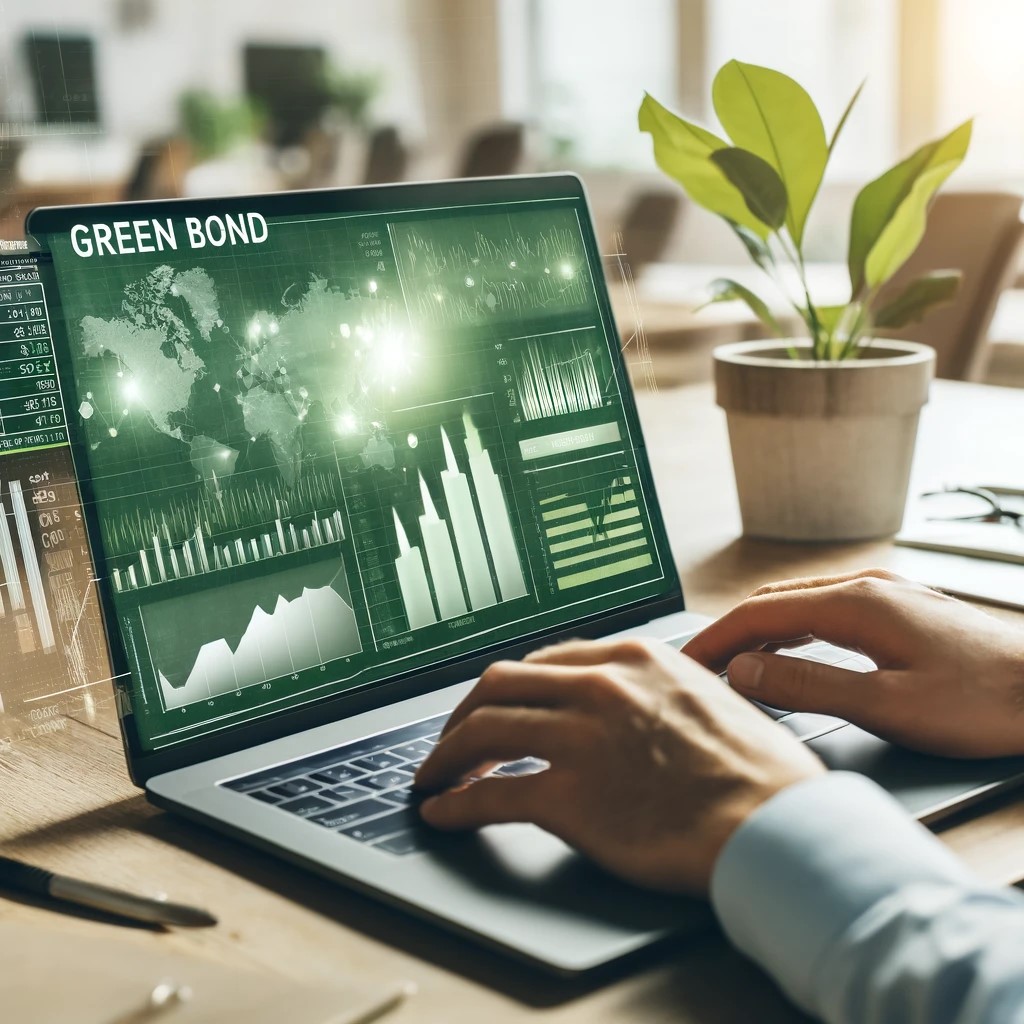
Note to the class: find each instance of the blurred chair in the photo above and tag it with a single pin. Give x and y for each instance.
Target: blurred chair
(647, 226)
(323, 149)
(386, 157)
(495, 150)
(160, 170)
(978, 233)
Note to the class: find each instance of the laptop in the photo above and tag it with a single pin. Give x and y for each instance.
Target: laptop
(339, 450)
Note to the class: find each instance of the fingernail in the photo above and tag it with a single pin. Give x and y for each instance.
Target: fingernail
(427, 804)
(745, 671)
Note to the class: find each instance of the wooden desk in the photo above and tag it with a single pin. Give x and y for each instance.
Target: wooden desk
(65, 800)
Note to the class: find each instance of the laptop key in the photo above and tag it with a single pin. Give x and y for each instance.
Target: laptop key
(378, 761)
(294, 787)
(401, 844)
(266, 796)
(416, 751)
(337, 773)
(336, 817)
(388, 780)
(387, 825)
(401, 796)
(305, 806)
(344, 794)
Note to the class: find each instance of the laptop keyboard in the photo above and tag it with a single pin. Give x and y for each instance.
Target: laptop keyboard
(363, 789)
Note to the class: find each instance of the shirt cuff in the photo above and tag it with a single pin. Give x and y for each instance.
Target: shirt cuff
(811, 860)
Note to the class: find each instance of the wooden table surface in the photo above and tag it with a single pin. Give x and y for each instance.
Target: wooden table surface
(66, 802)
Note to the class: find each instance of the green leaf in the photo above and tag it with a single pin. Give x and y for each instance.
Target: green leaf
(762, 189)
(830, 316)
(920, 295)
(683, 151)
(900, 196)
(769, 114)
(725, 290)
(846, 114)
(757, 248)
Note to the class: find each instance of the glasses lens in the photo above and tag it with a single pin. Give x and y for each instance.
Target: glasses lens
(954, 505)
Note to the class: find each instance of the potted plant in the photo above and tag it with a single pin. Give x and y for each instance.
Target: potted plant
(822, 427)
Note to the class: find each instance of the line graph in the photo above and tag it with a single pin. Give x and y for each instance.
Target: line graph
(462, 273)
(251, 632)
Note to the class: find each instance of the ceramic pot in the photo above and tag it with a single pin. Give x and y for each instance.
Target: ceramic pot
(822, 451)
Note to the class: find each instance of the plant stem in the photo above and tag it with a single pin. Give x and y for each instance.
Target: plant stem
(811, 318)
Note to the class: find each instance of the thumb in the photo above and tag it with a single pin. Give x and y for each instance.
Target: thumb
(797, 684)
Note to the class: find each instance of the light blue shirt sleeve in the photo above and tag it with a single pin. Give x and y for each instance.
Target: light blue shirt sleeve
(863, 917)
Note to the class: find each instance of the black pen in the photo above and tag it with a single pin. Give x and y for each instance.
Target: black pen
(25, 878)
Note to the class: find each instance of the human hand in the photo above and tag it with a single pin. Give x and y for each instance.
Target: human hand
(653, 760)
(950, 678)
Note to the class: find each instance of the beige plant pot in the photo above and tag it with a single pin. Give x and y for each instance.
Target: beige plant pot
(822, 451)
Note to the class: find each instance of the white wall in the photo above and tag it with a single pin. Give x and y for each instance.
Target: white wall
(198, 43)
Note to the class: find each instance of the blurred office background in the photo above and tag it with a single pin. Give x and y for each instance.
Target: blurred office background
(109, 99)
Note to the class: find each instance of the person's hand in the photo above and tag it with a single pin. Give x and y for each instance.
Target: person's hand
(949, 679)
(654, 761)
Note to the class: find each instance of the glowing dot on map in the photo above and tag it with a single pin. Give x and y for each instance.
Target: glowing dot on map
(85, 410)
(346, 331)
(112, 431)
(439, 296)
(120, 373)
(346, 423)
(124, 412)
(216, 387)
(512, 264)
(88, 394)
(373, 287)
(470, 282)
(547, 270)
(566, 270)
(303, 393)
(274, 327)
(131, 390)
(254, 330)
(412, 440)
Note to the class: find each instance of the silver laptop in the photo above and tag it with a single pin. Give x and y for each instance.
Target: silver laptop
(339, 450)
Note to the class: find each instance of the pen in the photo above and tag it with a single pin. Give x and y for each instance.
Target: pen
(152, 910)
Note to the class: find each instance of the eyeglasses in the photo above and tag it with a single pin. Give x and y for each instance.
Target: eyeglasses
(973, 505)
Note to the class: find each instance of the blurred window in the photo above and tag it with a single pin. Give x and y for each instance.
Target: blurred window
(829, 47)
(588, 67)
(583, 71)
(981, 75)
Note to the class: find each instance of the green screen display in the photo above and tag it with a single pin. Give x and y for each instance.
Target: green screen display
(326, 449)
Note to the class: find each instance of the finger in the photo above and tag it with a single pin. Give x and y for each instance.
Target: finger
(516, 684)
(576, 652)
(796, 684)
(849, 614)
(490, 735)
(816, 582)
(488, 802)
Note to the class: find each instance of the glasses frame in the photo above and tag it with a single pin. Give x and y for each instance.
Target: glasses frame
(997, 511)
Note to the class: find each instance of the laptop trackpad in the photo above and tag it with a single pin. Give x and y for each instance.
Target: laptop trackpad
(526, 889)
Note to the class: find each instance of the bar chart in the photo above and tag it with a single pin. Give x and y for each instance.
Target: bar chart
(558, 375)
(595, 532)
(161, 561)
(470, 560)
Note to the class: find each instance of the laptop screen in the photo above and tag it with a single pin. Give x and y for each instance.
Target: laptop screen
(321, 448)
